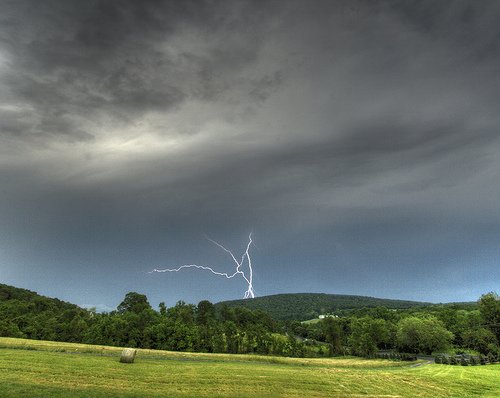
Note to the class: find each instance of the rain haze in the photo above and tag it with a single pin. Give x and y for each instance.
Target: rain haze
(357, 140)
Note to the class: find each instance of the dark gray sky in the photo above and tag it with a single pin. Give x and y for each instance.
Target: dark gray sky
(359, 141)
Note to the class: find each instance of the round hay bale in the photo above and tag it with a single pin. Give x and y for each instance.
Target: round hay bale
(128, 355)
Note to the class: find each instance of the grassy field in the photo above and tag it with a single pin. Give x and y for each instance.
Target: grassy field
(46, 369)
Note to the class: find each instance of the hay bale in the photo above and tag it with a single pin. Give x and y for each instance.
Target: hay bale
(128, 355)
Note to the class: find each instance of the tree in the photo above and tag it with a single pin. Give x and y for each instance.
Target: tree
(423, 335)
(480, 339)
(134, 302)
(458, 320)
(8, 329)
(205, 319)
(163, 309)
(367, 335)
(232, 338)
(489, 307)
(227, 313)
(333, 333)
(182, 312)
(205, 313)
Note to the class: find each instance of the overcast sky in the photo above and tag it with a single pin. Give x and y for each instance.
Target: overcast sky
(359, 141)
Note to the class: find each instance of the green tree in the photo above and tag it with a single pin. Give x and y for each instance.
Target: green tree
(423, 335)
(232, 337)
(226, 313)
(8, 329)
(293, 348)
(489, 307)
(368, 334)
(333, 335)
(182, 312)
(205, 313)
(133, 302)
(480, 339)
(205, 319)
(163, 309)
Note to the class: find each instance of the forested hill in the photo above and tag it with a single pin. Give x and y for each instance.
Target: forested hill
(26, 313)
(304, 306)
(33, 300)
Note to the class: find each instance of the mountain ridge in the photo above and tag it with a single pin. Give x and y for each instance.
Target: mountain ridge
(303, 306)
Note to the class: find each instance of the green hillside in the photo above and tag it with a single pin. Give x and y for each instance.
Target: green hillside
(38, 302)
(24, 313)
(304, 306)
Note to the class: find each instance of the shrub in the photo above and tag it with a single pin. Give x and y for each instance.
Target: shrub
(491, 357)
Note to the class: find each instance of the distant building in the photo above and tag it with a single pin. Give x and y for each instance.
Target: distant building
(327, 316)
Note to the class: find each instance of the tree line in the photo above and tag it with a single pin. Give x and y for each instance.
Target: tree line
(209, 328)
(183, 327)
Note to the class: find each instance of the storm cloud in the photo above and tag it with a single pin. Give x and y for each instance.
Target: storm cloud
(358, 140)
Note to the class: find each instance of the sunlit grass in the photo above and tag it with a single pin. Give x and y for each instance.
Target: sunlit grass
(48, 369)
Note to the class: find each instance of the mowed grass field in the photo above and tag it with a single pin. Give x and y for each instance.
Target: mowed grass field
(31, 368)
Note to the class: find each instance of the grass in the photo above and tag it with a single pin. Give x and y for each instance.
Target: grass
(50, 369)
(312, 321)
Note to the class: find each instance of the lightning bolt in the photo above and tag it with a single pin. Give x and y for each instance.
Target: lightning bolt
(248, 277)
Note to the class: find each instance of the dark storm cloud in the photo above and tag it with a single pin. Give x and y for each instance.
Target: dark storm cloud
(71, 58)
(348, 134)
